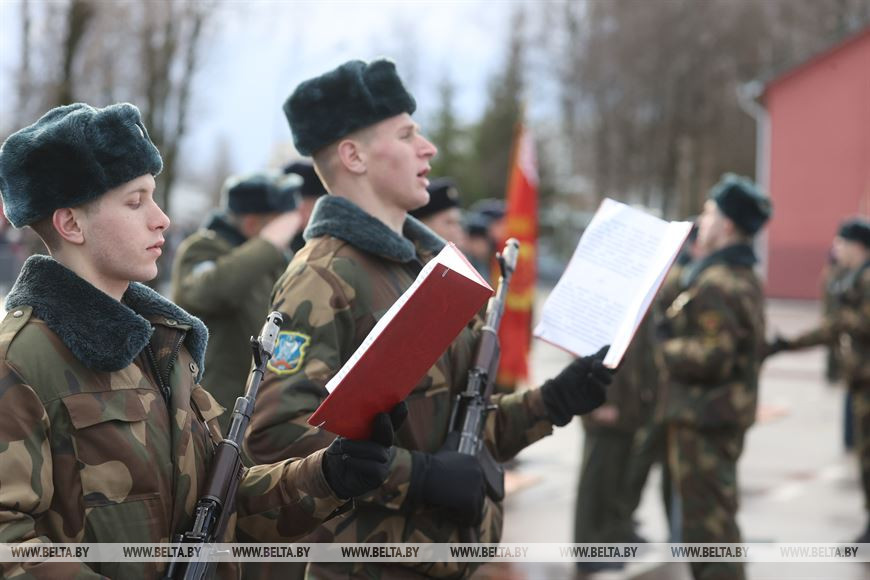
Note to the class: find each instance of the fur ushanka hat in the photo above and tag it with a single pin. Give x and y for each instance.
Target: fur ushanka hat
(71, 155)
(355, 95)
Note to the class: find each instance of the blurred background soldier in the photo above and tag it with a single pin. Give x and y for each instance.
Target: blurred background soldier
(602, 512)
(442, 214)
(650, 442)
(478, 247)
(224, 273)
(713, 358)
(849, 326)
(485, 228)
(835, 284)
(312, 189)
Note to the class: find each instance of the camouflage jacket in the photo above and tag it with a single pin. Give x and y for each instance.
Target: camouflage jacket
(226, 280)
(714, 356)
(848, 326)
(345, 278)
(105, 435)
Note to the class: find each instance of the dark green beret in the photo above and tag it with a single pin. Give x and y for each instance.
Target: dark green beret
(443, 194)
(355, 95)
(741, 202)
(856, 230)
(73, 154)
(262, 193)
(312, 186)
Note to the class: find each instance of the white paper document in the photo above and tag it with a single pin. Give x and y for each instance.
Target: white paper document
(615, 272)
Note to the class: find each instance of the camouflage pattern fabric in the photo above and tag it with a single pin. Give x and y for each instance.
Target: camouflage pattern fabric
(101, 456)
(714, 356)
(713, 360)
(331, 295)
(226, 281)
(848, 326)
(704, 469)
(861, 425)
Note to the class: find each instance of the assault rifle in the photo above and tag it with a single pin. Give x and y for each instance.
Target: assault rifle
(468, 419)
(216, 504)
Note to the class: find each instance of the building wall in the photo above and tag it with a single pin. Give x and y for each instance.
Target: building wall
(819, 162)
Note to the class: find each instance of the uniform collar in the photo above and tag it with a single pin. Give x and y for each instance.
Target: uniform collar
(735, 255)
(342, 219)
(102, 333)
(218, 223)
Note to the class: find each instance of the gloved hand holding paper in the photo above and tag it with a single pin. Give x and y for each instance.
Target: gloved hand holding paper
(608, 286)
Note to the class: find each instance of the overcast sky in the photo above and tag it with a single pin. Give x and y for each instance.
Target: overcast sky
(258, 51)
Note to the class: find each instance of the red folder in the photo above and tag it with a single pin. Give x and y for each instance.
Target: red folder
(413, 335)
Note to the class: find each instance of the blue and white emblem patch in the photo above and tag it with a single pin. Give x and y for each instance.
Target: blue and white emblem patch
(289, 352)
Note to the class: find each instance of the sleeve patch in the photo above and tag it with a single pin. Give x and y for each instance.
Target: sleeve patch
(289, 352)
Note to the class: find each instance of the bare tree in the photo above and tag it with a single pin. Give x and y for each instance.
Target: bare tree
(139, 51)
(651, 85)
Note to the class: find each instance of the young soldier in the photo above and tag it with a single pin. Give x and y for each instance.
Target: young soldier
(849, 327)
(713, 358)
(363, 251)
(224, 274)
(105, 434)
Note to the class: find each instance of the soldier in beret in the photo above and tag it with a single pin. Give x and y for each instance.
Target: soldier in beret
(442, 214)
(849, 327)
(363, 250)
(224, 273)
(713, 357)
(312, 189)
(105, 433)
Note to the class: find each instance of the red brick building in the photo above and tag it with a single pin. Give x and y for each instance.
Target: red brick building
(815, 161)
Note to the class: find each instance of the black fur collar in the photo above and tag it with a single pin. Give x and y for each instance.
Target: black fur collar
(218, 223)
(734, 255)
(341, 218)
(104, 334)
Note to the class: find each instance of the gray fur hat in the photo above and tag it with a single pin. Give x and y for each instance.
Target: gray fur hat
(71, 155)
(355, 95)
(742, 202)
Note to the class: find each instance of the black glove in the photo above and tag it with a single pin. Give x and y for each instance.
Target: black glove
(779, 344)
(578, 389)
(449, 480)
(353, 467)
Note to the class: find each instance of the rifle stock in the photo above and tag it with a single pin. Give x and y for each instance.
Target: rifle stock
(215, 505)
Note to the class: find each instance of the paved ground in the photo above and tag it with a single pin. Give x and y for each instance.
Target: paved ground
(797, 484)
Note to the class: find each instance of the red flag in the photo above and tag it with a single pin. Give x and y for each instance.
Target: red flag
(515, 332)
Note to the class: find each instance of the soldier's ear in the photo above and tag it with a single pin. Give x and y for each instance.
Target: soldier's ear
(66, 222)
(351, 156)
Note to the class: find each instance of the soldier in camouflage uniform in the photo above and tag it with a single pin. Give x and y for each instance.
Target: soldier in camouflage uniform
(849, 327)
(105, 433)
(241, 250)
(602, 513)
(713, 359)
(362, 252)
